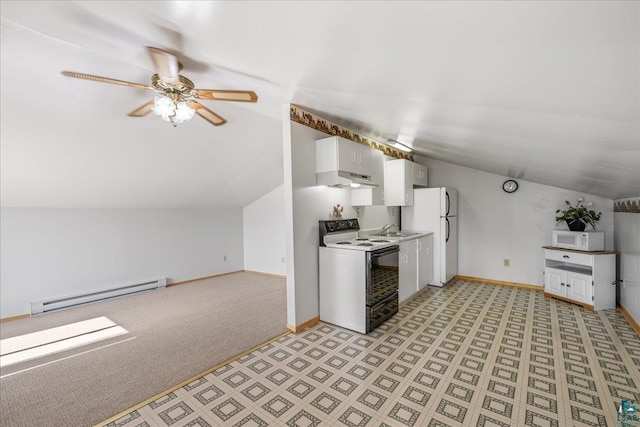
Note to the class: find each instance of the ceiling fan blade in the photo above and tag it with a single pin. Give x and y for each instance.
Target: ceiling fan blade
(207, 114)
(226, 95)
(167, 66)
(143, 110)
(105, 80)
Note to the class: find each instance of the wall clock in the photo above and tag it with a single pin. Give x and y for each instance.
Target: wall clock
(510, 186)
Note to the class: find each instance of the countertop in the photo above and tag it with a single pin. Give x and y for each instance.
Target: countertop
(554, 248)
(373, 233)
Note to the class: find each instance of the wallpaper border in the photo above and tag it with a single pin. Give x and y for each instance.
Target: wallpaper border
(631, 205)
(313, 121)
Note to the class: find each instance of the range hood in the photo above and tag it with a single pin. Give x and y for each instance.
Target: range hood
(342, 179)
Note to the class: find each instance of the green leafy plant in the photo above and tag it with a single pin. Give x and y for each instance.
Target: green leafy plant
(580, 212)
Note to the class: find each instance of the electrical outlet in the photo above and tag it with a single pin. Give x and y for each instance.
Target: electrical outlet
(225, 257)
(507, 262)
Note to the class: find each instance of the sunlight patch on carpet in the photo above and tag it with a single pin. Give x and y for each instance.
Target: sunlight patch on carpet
(54, 340)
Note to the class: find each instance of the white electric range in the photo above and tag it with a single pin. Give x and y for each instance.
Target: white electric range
(358, 277)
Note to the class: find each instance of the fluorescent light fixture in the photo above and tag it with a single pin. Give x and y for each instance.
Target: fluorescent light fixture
(355, 185)
(399, 146)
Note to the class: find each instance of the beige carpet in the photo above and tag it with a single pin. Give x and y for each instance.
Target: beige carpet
(173, 334)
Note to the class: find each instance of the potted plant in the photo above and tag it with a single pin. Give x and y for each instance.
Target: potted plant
(579, 216)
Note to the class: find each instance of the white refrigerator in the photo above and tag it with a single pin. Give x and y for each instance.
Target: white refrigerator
(436, 210)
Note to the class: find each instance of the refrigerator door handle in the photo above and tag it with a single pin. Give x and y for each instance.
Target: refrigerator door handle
(448, 204)
(448, 229)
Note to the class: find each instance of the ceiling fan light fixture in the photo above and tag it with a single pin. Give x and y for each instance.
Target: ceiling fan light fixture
(184, 112)
(177, 97)
(163, 106)
(172, 111)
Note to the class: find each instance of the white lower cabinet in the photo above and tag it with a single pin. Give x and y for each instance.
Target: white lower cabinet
(425, 261)
(586, 278)
(569, 284)
(407, 269)
(415, 266)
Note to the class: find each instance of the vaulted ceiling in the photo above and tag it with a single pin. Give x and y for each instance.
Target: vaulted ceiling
(547, 92)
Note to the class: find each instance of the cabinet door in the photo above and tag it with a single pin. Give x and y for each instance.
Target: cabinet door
(372, 196)
(554, 282)
(604, 273)
(398, 183)
(354, 157)
(425, 261)
(408, 269)
(419, 175)
(579, 287)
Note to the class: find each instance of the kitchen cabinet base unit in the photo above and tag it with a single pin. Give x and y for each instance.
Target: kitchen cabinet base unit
(584, 278)
(416, 265)
(408, 270)
(572, 301)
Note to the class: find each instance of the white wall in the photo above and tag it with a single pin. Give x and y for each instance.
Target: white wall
(264, 242)
(378, 216)
(49, 253)
(494, 225)
(305, 204)
(627, 243)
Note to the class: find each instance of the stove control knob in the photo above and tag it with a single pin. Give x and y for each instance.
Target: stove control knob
(331, 225)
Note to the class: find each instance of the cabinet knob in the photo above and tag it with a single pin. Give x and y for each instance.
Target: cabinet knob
(561, 284)
(565, 256)
(568, 285)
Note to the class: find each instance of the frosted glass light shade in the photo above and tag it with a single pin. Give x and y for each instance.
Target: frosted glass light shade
(172, 112)
(183, 112)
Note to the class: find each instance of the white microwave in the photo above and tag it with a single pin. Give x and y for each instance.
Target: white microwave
(578, 240)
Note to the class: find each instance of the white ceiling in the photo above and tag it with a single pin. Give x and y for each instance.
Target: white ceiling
(544, 91)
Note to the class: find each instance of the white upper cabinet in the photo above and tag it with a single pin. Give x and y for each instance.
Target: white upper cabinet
(400, 176)
(372, 196)
(339, 154)
(419, 175)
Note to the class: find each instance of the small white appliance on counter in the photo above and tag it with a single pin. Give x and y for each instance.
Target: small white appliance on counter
(436, 209)
(589, 241)
(358, 277)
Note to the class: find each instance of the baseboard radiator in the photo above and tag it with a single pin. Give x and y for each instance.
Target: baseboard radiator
(66, 302)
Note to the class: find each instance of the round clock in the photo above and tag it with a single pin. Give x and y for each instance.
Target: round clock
(510, 186)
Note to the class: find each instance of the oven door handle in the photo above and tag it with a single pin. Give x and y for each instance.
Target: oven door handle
(384, 302)
(384, 251)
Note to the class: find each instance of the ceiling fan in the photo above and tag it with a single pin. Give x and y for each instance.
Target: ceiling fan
(178, 96)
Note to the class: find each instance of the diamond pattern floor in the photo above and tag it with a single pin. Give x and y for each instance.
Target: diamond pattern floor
(466, 354)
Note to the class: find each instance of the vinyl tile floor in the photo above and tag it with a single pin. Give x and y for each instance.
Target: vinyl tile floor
(468, 354)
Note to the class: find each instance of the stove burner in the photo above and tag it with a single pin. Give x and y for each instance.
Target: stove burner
(381, 241)
(362, 239)
(344, 243)
(365, 244)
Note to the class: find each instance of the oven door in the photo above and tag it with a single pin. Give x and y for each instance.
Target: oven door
(382, 285)
(382, 274)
